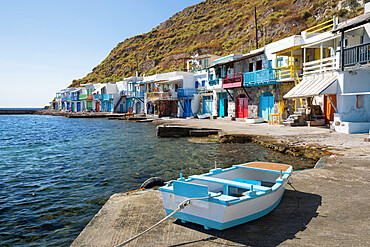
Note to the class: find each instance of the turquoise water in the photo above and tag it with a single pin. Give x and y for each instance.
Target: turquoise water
(56, 173)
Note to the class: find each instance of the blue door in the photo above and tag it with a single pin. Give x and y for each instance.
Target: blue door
(121, 108)
(266, 105)
(109, 106)
(187, 107)
(129, 103)
(78, 106)
(73, 106)
(222, 99)
(207, 104)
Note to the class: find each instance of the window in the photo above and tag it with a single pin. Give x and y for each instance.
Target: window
(259, 65)
(250, 67)
(360, 101)
(280, 62)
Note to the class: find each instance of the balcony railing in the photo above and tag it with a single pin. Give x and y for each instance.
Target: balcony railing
(83, 96)
(139, 94)
(233, 80)
(90, 97)
(162, 95)
(260, 78)
(185, 92)
(68, 98)
(74, 97)
(359, 54)
(123, 93)
(320, 66)
(64, 99)
(98, 96)
(214, 82)
(108, 97)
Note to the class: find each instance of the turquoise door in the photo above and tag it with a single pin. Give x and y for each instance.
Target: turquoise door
(266, 105)
(207, 104)
(73, 106)
(222, 100)
(121, 108)
(109, 106)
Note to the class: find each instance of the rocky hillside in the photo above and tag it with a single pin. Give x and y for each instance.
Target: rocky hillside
(213, 26)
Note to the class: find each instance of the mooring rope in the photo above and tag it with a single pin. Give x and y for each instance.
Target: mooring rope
(179, 208)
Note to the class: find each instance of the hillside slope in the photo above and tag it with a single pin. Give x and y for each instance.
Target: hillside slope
(214, 26)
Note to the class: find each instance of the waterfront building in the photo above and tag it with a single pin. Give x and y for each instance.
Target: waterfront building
(170, 94)
(198, 65)
(103, 95)
(336, 74)
(120, 105)
(75, 100)
(132, 94)
(86, 97)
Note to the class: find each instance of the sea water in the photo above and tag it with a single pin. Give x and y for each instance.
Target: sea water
(56, 172)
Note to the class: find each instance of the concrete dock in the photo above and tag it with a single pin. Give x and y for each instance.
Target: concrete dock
(330, 206)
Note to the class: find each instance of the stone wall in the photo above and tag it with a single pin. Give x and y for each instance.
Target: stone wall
(254, 100)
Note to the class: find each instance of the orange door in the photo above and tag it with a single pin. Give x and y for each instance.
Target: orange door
(328, 108)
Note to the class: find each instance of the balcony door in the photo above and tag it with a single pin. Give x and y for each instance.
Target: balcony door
(242, 106)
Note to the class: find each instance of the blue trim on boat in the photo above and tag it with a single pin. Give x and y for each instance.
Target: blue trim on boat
(219, 225)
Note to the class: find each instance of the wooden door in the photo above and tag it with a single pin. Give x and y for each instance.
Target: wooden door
(266, 105)
(242, 107)
(328, 107)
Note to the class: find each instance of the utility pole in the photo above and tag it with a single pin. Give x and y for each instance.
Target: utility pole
(255, 23)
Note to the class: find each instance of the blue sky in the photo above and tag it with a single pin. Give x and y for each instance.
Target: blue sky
(45, 44)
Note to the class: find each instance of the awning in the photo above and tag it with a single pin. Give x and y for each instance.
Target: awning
(314, 86)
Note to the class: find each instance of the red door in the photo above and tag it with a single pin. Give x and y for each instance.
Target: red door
(242, 107)
(328, 108)
(97, 107)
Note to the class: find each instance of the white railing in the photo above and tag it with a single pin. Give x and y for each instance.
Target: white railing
(320, 66)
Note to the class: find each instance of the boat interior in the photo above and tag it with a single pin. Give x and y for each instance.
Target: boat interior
(240, 181)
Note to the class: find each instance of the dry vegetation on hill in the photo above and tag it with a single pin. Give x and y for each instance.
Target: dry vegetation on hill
(213, 26)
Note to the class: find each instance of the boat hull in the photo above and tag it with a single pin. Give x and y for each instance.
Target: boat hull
(218, 216)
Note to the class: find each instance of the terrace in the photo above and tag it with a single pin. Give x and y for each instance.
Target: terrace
(260, 78)
(233, 81)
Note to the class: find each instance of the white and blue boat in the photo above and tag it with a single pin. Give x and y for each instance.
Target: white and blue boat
(231, 196)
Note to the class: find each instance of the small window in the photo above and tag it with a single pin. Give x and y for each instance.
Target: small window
(259, 65)
(250, 67)
(362, 39)
(360, 101)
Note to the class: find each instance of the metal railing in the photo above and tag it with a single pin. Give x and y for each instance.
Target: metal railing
(90, 97)
(358, 54)
(123, 93)
(232, 78)
(320, 66)
(320, 27)
(185, 92)
(260, 77)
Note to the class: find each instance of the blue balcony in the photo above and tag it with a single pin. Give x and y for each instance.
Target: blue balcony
(107, 97)
(139, 94)
(74, 97)
(260, 78)
(97, 96)
(214, 82)
(185, 92)
(123, 93)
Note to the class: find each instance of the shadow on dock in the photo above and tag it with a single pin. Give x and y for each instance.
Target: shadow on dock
(291, 216)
